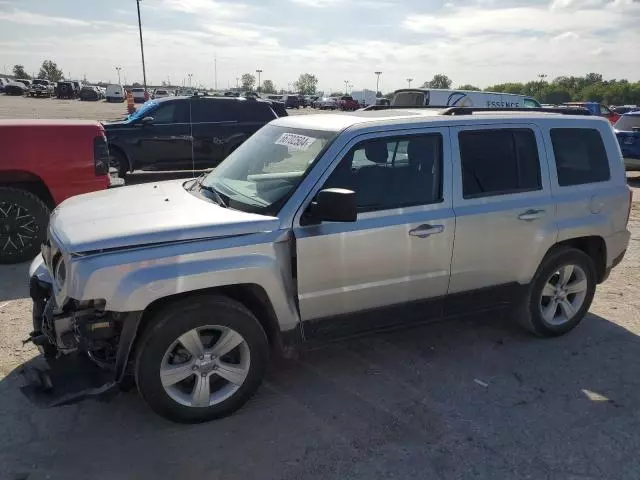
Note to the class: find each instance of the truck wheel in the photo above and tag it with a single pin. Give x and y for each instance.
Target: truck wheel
(23, 225)
(201, 359)
(560, 294)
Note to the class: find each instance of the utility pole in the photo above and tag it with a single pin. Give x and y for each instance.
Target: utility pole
(409, 80)
(258, 71)
(144, 71)
(377, 82)
(118, 70)
(215, 73)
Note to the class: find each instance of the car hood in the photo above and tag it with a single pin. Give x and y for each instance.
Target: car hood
(147, 214)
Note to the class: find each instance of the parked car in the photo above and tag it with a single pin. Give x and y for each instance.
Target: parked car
(140, 95)
(41, 88)
(115, 93)
(347, 103)
(3, 82)
(15, 88)
(383, 101)
(326, 103)
(65, 90)
(622, 109)
(436, 97)
(24, 81)
(160, 93)
(90, 93)
(597, 109)
(70, 157)
(161, 135)
(189, 286)
(291, 101)
(628, 133)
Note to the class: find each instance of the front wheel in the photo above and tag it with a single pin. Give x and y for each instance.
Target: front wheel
(201, 359)
(560, 294)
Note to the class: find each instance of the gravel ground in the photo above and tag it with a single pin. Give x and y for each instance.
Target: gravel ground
(472, 398)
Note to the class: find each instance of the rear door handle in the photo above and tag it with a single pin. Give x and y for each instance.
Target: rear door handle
(426, 230)
(530, 215)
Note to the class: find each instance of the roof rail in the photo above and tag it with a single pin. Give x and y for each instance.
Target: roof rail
(560, 110)
(471, 110)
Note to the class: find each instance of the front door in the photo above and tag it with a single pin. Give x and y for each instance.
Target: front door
(165, 143)
(505, 214)
(399, 249)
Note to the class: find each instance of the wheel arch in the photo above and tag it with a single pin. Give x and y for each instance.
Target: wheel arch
(114, 147)
(25, 180)
(595, 247)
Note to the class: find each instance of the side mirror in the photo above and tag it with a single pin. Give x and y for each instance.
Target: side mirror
(146, 121)
(334, 205)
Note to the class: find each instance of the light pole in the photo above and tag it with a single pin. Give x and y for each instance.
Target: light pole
(144, 71)
(346, 87)
(377, 82)
(258, 71)
(409, 80)
(237, 84)
(189, 75)
(118, 70)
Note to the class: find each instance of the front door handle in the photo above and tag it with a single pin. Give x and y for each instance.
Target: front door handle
(426, 230)
(530, 215)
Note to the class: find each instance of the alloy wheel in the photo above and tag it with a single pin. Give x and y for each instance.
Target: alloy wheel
(18, 228)
(563, 295)
(205, 366)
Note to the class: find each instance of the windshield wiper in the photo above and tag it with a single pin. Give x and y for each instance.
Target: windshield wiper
(218, 198)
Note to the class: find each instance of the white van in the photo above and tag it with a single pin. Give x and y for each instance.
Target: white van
(421, 97)
(115, 93)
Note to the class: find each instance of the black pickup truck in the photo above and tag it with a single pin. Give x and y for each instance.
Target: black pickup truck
(180, 133)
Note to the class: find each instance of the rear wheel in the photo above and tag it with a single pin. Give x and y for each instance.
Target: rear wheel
(560, 294)
(201, 359)
(118, 162)
(23, 225)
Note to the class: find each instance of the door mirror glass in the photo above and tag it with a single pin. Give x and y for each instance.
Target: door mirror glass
(335, 205)
(146, 121)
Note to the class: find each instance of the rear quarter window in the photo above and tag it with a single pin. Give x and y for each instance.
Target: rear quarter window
(580, 156)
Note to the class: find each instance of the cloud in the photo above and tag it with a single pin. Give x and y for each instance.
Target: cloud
(316, 3)
(29, 18)
(565, 36)
(209, 8)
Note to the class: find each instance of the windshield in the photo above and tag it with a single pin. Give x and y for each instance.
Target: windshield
(627, 123)
(143, 111)
(261, 174)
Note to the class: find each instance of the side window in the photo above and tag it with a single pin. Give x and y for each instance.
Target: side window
(604, 110)
(165, 113)
(580, 156)
(204, 110)
(257, 112)
(498, 162)
(392, 173)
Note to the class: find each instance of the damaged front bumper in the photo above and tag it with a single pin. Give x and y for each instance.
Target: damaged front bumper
(68, 369)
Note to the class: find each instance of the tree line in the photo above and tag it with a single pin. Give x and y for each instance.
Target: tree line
(48, 71)
(306, 84)
(592, 87)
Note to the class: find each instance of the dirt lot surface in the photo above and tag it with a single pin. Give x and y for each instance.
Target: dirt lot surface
(473, 398)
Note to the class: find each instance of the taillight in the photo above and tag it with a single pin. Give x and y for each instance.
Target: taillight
(101, 155)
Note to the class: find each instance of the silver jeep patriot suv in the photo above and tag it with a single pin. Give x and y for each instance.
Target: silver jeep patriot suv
(322, 226)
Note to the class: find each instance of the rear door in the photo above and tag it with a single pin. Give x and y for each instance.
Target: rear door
(221, 125)
(505, 214)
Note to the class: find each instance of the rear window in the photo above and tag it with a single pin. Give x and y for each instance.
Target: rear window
(410, 99)
(580, 156)
(137, 90)
(499, 162)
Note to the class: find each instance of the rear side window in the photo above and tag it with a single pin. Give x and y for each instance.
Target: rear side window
(498, 162)
(580, 156)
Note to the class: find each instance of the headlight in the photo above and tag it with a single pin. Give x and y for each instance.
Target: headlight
(60, 272)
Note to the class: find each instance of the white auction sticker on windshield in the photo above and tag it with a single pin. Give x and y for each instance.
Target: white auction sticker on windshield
(295, 141)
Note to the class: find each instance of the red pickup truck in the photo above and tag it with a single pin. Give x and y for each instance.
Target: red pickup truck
(347, 103)
(42, 163)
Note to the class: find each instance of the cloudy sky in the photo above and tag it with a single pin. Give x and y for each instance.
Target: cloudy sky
(472, 41)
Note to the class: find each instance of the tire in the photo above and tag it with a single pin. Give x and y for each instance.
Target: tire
(118, 161)
(539, 299)
(23, 225)
(209, 314)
